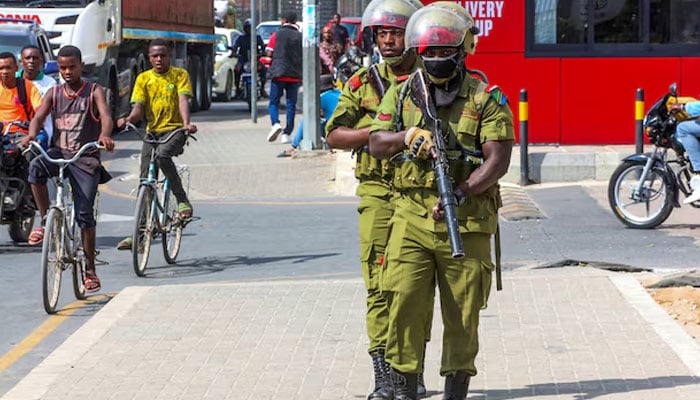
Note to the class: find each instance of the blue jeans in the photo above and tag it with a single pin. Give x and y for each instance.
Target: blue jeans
(296, 140)
(688, 133)
(292, 91)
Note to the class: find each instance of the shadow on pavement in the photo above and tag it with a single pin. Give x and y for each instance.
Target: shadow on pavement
(211, 265)
(586, 390)
(19, 249)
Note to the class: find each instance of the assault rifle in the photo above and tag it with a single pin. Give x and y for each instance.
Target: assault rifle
(420, 94)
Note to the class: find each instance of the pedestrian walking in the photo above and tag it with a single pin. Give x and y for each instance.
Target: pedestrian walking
(285, 75)
(477, 127)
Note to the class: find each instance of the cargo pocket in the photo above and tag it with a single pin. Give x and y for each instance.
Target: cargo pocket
(390, 275)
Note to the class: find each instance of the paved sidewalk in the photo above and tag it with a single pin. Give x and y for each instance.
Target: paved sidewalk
(233, 160)
(569, 333)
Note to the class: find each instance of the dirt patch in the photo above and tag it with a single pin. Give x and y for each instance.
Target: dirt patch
(681, 303)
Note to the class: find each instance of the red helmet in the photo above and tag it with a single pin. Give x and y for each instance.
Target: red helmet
(441, 24)
(390, 13)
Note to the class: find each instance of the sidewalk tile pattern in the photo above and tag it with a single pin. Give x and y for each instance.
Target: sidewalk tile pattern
(550, 334)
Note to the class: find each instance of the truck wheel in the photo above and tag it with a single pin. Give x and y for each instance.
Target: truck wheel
(207, 76)
(195, 82)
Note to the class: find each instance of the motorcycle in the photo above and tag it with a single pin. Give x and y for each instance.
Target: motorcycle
(16, 202)
(247, 78)
(347, 65)
(644, 189)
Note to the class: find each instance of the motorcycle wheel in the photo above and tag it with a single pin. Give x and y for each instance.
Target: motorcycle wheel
(645, 210)
(20, 227)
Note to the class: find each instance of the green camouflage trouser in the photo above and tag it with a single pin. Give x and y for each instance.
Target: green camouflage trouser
(417, 258)
(374, 227)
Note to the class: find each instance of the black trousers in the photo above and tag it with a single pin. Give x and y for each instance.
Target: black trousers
(164, 154)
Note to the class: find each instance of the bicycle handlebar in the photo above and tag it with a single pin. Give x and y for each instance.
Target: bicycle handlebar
(63, 161)
(145, 135)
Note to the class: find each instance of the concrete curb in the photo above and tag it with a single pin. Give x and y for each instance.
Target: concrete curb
(682, 344)
(39, 380)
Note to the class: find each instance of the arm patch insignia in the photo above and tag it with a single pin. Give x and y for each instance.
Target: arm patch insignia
(498, 95)
(355, 82)
(384, 117)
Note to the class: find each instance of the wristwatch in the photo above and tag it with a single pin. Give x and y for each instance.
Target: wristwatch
(460, 196)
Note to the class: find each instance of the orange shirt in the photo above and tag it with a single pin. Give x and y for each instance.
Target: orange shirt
(11, 108)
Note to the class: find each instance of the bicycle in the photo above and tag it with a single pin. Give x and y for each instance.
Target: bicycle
(156, 209)
(63, 244)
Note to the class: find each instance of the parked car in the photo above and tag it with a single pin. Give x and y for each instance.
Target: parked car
(21, 32)
(223, 85)
(266, 29)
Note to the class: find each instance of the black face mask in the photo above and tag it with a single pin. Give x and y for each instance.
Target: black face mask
(441, 67)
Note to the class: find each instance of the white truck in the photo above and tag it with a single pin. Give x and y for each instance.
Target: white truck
(113, 37)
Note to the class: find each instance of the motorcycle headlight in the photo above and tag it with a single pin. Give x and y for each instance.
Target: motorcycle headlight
(246, 67)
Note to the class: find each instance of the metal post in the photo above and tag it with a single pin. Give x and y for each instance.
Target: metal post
(311, 124)
(253, 65)
(524, 159)
(639, 122)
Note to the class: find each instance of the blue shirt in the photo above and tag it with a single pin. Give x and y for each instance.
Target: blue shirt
(693, 108)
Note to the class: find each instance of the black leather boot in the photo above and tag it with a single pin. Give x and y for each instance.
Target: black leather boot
(383, 388)
(405, 385)
(456, 386)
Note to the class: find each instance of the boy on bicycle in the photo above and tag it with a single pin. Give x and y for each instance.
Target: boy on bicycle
(72, 105)
(162, 94)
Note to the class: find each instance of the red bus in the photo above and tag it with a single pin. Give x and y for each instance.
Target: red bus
(582, 82)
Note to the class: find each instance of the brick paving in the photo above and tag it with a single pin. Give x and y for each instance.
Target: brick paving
(566, 333)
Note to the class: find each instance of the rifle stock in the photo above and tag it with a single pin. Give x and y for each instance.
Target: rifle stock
(421, 97)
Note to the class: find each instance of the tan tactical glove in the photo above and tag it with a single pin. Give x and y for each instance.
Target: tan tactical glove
(419, 141)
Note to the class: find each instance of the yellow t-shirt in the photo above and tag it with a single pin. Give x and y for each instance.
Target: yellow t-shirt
(11, 108)
(159, 94)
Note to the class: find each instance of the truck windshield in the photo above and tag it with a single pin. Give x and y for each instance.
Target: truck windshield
(44, 3)
(12, 43)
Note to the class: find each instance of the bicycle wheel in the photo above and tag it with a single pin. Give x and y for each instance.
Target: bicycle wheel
(172, 229)
(143, 230)
(79, 267)
(51, 260)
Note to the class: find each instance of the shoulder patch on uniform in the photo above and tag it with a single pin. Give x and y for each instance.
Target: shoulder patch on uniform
(384, 117)
(355, 82)
(497, 94)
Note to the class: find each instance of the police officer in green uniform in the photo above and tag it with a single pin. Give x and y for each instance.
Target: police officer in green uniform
(348, 128)
(477, 126)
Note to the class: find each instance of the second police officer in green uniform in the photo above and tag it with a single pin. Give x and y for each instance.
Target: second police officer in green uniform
(477, 126)
(348, 128)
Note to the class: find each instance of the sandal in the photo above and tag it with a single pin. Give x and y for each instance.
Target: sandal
(185, 210)
(125, 244)
(92, 282)
(36, 236)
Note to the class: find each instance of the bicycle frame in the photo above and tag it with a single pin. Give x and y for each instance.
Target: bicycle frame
(61, 201)
(61, 216)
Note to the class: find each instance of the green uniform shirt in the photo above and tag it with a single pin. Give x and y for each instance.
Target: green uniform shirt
(159, 93)
(357, 106)
(415, 179)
